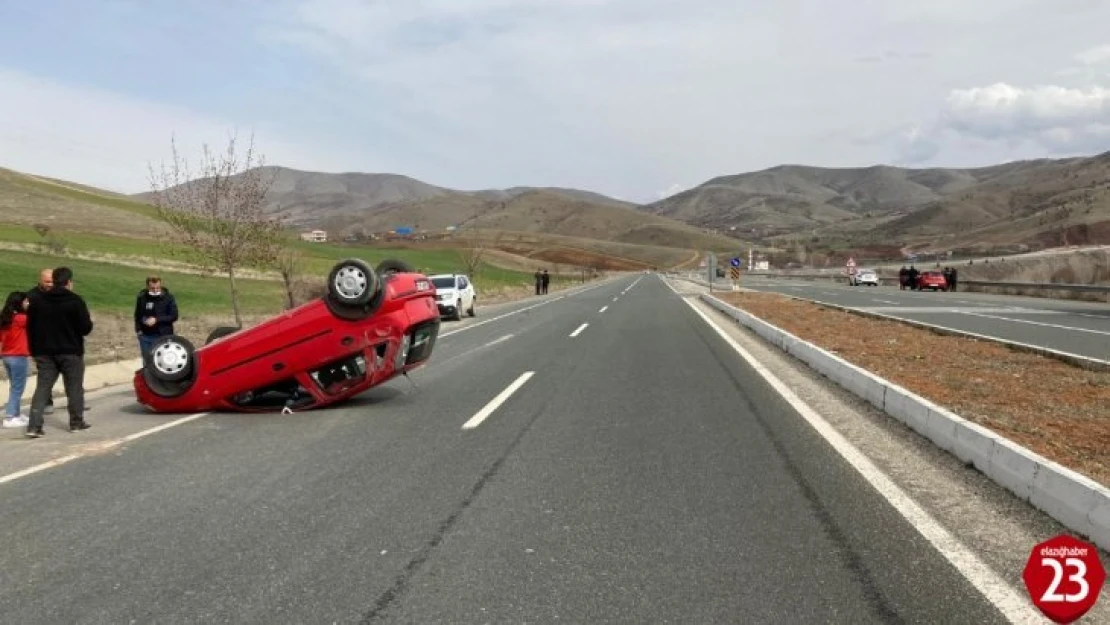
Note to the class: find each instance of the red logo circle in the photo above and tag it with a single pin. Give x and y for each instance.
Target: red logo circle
(1064, 577)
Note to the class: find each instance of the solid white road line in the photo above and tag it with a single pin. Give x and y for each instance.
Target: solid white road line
(519, 310)
(603, 309)
(1037, 323)
(499, 317)
(98, 447)
(1014, 606)
(579, 330)
(886, 301)
(496, 402)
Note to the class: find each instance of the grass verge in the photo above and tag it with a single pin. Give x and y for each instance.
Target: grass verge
(1055, 409)
(318, 258)
(204, 301)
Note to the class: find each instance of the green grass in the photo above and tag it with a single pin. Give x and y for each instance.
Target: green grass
(112, 288)
(318, 257)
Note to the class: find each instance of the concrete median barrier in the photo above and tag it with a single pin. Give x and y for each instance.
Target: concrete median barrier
(1074, 500)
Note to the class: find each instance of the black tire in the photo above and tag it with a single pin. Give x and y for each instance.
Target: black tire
(351, 282)
(169, 390)
(219, 333)
(458, 311)
(172, 358)
(473, 303)
(394, 265)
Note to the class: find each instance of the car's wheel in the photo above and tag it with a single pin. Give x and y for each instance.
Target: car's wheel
(458, 310)
(171, 358)
(393, 265)
(473, 303)
(161, 388)
(352, 282)
(219, 333)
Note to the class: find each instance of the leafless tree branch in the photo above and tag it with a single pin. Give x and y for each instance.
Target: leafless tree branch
(219, 211)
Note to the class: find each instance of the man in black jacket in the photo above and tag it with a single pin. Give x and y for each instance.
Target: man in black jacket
(57, 323)
(46, 282)
(155, 314)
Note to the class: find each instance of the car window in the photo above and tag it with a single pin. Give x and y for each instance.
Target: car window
(462, 283)
(443, 283)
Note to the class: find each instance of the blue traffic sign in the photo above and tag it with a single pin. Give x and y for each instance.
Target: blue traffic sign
(735, 262)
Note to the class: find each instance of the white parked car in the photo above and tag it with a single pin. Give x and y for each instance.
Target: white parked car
(867, 277)
(454, 294)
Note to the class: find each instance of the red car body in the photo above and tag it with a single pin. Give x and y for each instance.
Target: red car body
(934, 280)
(372, 326)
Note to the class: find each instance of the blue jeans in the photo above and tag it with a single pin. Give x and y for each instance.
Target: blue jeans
(146, 341)
(17, 368)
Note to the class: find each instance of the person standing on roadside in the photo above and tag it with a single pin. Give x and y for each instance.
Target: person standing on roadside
(45, 284)
(155, 314)
(546, 281)
(16, 354)
(57, 323)
(539, 281)
(952, 281)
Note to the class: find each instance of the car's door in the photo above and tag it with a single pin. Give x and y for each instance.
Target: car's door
(467, 291)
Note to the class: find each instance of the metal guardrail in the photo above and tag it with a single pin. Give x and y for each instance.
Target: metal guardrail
(1045, 286)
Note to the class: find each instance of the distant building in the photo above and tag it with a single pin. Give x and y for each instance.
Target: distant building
(316, 236)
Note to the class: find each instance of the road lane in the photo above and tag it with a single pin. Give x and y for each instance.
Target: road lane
(663, 482)
(1080, 328)
(642, 473)
(307, 517)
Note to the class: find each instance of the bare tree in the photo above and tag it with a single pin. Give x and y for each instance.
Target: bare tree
(476, 243)
(290, 264)
(220, 211)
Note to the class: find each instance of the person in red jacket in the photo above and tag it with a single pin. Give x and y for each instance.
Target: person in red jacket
(16, 354)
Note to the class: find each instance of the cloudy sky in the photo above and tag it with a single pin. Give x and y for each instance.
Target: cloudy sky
(633, 98)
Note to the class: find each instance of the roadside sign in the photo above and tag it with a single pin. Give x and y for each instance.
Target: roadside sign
(735, 262)
(712, 269)
(735, 272)
(1064, 577)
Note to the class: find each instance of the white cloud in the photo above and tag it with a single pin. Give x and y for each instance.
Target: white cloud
(106, 139)
(1095, 55)
(1051, 119)
(674, 189)
(617, 96)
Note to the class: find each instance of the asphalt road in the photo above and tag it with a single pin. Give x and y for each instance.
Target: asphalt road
(1081, 328)
(643, 473)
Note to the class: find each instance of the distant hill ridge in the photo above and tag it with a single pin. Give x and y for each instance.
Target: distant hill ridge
(1033, 202)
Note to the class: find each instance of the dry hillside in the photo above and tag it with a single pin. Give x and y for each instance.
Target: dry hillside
(319, 199)
(537, 212)
(1025, 204)
(67, 207)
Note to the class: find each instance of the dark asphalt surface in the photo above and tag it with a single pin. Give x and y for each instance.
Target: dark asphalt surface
(644, 474)
(1081, 328)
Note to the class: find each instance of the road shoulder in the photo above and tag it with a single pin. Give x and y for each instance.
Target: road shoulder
(990, 521)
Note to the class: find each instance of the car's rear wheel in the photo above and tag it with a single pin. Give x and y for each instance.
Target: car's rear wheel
(352, 282)
(171, 359)
(220, 332)
(394, 265)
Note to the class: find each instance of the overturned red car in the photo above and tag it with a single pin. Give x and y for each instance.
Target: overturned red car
(372, 326)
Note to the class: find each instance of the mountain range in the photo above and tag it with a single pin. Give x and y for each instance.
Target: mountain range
(1025, 203)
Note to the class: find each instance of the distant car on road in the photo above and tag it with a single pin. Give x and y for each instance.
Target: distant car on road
(932, 280)
(372, 326)
(454, 294)
(867, 277)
